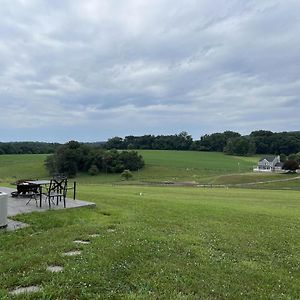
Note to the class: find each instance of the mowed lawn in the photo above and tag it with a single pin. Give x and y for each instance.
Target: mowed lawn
(160, 243)
(191, 165)
(161, 166)
(17, 166)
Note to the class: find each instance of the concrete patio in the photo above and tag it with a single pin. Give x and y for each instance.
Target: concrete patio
(18, 206)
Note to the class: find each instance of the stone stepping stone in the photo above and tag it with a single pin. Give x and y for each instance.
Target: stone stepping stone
(54, 269)
(81, 242)
(94, 235)
(28, 289)
(72, 253)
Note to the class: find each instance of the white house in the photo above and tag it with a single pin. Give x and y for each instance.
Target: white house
(269, 164)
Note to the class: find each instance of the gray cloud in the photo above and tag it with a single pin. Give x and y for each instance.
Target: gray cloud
(96, 69)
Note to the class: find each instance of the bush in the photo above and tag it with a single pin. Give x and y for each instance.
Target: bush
(93, 170)
(126, 174)
(290, 165)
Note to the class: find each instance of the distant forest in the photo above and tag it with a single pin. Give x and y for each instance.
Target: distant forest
(229, 142)
(28, 148)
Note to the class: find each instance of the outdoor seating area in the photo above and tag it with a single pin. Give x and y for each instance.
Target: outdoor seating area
(37, 196)
(19, 205)
(52, 192)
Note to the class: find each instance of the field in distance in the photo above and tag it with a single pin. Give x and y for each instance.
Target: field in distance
(161, 166)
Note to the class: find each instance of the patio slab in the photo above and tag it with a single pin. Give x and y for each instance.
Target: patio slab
(13, 225)
(18, 205)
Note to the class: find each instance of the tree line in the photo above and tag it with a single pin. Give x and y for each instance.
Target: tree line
(181, 141)
(229, 142)
(74, 157)
(27, 148)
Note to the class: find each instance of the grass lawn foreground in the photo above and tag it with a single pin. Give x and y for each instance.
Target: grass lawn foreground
(159, 243)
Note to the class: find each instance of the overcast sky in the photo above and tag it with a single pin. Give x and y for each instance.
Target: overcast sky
(92, 69)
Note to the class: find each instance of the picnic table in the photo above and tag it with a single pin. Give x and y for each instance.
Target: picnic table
(54, 188)
(30, 188)
(38, 186)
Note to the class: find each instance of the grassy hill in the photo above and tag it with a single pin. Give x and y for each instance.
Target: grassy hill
(191, 166)
(161, 166)
(16, 166)
(160, 243)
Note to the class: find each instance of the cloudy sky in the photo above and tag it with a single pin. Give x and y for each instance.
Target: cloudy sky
(92, 69)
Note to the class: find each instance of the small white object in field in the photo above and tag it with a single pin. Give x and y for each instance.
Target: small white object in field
(54, 269)
(72, 253)
(81, 242)
(28, 289)
(94, 235)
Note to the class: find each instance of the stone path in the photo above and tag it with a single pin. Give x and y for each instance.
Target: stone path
(81, 242)
(23, 290)
(14, 225)
(72, 253)
(53, 269)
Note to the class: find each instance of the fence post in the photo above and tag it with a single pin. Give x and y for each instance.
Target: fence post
(74, 190)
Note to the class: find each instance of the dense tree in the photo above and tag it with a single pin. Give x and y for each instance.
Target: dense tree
(260, 133)
(27, 148)
(93, 170)
(290, 165)
(74, 157)
(115, 143)
(181, 141)
(281, 142)
(298, 157)
(294, 156)
(214, 141)
(266, 142)
(283, 157)
(240, 146)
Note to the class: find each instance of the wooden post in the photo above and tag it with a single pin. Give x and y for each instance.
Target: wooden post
(74, 190)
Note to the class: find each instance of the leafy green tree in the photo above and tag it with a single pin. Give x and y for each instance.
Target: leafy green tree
(298, 157)
(51, 164)
(131, 160)
(115, 143)
(93, 170)
(215, 141)
(283, 157)
(292, 156)
(240, 146)
(73, 157)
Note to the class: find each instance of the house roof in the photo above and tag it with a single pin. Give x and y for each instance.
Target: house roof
(279, 164)
(269, 158)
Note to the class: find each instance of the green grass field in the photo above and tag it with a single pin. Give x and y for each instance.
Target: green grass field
(159, 242)
(191, 165)
(161, 166)
(167, 243)
(14, 167)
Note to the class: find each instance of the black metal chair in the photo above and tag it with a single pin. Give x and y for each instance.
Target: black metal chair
(57, 190)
